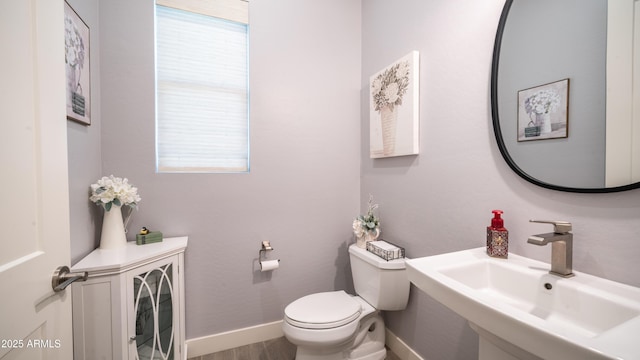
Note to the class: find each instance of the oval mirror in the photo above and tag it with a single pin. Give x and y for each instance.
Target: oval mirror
(561, 118)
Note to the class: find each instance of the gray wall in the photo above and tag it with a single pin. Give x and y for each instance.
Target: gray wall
(303, 188)
(311, 174)
(85, 157)
(441, 200)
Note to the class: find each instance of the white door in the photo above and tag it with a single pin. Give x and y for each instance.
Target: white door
(35, 322)
(623, 93)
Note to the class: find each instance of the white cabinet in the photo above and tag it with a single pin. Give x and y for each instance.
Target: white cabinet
(132, 305)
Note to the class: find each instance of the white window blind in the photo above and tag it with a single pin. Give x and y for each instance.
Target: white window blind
(201, 93)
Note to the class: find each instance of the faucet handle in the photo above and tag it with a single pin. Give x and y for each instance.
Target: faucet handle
(559, 227)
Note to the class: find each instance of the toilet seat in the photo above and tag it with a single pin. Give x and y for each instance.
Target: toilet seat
(323, 310)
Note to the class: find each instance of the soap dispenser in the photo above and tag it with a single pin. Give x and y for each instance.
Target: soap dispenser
(497, 237)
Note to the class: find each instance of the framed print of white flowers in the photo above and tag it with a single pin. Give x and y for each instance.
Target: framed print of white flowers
(76, 56)
(394, 108)
(543, 111)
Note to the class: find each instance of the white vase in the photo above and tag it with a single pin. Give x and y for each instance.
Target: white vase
(544, 121)
(72, 82)
(389, 118)
(361, 241)
(113, 235)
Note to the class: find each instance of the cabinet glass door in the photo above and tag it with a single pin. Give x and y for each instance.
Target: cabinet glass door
(153, 305)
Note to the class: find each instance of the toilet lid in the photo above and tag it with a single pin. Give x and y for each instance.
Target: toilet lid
(323, 310)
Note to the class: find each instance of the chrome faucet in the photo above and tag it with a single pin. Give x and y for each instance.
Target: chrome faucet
(561, 246)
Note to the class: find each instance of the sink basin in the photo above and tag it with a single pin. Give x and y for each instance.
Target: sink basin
(518, 302)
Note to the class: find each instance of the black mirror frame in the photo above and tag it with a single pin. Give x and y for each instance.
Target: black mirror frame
(496, 122)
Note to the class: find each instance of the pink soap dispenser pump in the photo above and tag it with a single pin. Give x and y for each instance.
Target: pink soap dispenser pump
(497, 237)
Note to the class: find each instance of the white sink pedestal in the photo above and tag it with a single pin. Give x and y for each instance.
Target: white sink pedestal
(492, 347)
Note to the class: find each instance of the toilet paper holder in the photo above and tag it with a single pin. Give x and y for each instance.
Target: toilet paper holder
(266, 265)
(266, 246)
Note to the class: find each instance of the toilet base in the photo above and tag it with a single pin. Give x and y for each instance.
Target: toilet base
(367, 344)
(378, 355)
(314, 355)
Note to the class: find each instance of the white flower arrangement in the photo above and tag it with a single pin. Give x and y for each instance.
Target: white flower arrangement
(542, 102)
(74, 45)
(110, 191)
(388, 88)
(366, 223)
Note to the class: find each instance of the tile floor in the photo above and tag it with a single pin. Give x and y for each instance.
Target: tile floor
(276, 349)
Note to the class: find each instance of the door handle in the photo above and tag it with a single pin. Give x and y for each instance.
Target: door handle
(62, 277)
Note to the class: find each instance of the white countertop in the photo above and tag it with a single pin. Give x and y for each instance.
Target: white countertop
(102, 262)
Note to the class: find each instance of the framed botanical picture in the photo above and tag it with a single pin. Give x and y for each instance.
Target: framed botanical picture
(394, 109)
(543, 111)
(76, 44)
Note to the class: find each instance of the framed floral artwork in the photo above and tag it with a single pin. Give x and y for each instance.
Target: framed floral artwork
(78, 73)
(394, 109)
(543, 111)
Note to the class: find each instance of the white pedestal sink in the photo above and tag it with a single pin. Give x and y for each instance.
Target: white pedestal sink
(521, 311)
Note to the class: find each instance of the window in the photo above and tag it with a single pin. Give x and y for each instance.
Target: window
(202, 89)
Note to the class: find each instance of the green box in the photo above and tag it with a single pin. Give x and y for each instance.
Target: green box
(151, 237)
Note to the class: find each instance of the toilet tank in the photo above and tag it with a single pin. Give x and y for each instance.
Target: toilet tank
(383, 284)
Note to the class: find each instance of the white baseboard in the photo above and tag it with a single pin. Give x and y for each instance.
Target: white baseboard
(236, 338)
(399, 347)
(232, 339)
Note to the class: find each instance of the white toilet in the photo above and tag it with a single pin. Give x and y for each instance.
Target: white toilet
(338, 326)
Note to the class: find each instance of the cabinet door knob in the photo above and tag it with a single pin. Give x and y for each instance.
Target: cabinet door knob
(132, 339)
